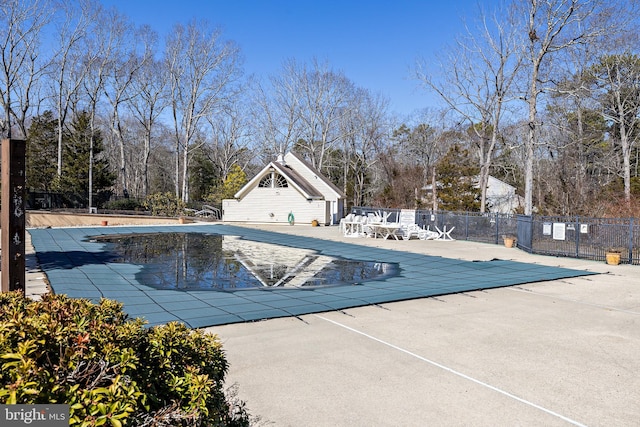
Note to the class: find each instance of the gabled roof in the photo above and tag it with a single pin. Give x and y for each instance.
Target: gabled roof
(320, 176)
(296, 179)
(293, 178)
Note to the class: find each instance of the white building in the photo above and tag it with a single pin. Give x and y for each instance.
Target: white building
(502, 197)
(285, 191)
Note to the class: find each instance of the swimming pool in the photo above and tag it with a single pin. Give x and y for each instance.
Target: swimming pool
(201, 261)
(78, 265)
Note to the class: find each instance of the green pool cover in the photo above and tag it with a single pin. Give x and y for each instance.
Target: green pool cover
(81, 268)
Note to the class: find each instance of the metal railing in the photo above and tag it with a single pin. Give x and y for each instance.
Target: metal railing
(585, 238)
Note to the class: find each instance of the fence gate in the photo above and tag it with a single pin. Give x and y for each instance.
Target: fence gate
(525, 233)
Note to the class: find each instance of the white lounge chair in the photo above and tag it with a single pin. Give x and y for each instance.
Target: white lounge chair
(428, 234)
(410, 231)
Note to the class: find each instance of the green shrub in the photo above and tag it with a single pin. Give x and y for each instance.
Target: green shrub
(110, 369)
(164, 204)
(127, 204)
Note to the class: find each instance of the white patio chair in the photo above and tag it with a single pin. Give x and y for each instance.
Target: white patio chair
(367, 230)
(342, 227)
(428, 234)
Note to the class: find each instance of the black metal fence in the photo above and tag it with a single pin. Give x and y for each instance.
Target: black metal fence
(583, 237)
(51, 200)
(474, 226)
(576, 237)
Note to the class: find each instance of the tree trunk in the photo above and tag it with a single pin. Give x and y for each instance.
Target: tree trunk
(434, 188)
(145, 162)
(177, 169)
(531, 140)
(185, 174)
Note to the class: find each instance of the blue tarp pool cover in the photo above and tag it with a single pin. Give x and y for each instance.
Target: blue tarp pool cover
(79, 268)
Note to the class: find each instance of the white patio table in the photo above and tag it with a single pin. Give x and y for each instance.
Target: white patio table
(385, 230)
(445, 234)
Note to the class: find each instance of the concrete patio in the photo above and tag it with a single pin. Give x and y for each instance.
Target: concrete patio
(553, 353)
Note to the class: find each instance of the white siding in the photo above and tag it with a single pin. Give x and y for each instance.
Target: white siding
(273, 205)
(313, 179)
(501, 196)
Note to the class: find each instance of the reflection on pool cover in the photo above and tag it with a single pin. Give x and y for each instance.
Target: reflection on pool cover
(196, 261)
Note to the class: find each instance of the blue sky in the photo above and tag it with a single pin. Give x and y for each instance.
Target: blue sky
(374, 43)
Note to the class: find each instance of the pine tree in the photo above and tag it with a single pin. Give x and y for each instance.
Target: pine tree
(457, 181)
(75, 160)
(41, 153)
(202, 175)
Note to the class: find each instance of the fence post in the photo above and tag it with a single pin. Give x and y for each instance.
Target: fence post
(466, 226)
(577, 231)
(631, 241)
(497, 228)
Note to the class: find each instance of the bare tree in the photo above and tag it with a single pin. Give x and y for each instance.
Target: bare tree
(325, 99)
(201, 68)
(123, 67)
(421, 145)
(617, 78)
(21, 24)
(575, 153)
(147, 100)
(364, 131)
(230, 138)
(550, 28)
(277, 111)
(99, 47)
(72, 25)
(477, 83)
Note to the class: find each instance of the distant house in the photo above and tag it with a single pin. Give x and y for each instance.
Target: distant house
(287, 190)
(501, 197)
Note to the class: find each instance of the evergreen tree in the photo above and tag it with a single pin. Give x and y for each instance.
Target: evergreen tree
(202, 175)
(457, 181)
(75, 160)
(236, 179)
(41, 153)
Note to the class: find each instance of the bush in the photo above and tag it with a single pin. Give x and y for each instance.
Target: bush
(110, 369)
(164, 204)
(127, 204)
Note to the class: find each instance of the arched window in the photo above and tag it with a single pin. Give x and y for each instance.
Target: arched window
(280, 181)
(265, 182)
(273, 180)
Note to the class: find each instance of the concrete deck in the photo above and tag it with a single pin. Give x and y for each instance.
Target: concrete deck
(553, 353)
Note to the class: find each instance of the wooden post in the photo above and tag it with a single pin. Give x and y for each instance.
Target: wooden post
(12, 215)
